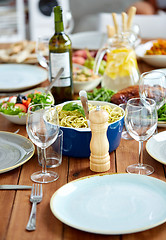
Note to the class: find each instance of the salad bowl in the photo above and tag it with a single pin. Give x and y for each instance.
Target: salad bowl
(19, 117)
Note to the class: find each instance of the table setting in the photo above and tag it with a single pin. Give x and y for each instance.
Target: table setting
(68, 174)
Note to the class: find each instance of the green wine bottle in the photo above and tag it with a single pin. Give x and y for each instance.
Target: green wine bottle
(60, 55)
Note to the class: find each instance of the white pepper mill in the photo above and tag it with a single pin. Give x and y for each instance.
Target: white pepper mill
(99, 145)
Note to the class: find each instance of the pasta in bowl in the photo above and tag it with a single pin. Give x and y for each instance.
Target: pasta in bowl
(77, 134)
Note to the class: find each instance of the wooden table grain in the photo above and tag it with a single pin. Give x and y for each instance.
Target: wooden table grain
(15, 205)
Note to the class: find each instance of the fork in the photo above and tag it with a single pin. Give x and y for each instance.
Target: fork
(36, 197)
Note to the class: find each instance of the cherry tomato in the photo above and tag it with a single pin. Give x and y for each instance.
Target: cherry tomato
(21, 106)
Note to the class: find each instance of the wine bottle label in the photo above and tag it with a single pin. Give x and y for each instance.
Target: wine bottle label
(59, 60)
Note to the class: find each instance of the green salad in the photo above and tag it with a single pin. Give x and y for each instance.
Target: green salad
(18, 105)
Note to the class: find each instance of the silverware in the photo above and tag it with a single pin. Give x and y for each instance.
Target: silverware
(55, 79)
(36, 197)
(14, 187)
(84, 101)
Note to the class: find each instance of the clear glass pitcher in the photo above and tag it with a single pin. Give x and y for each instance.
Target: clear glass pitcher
(121, 68)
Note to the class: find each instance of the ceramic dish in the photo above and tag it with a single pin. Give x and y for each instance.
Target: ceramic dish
(111, 204)
(15, 150)
(91, 40)
(76, 141)
(85, 85)
(155, 146)
(154, 60)
(15, 118)
(15, 77)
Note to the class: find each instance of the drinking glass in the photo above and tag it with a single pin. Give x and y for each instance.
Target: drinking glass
(153, 85)
(42, 51)
(43, 127)
(125, 134)
(141, 122)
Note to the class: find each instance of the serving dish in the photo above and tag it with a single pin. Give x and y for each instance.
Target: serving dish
(153, 60)
(21, 120)
(77, 140)
(18, 77)
(15, 150)
(155, 146)
(87, 85)
(111, 203)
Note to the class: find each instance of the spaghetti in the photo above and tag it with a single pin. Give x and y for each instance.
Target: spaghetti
(75, 119)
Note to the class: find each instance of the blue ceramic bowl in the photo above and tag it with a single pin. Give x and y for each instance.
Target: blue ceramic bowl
(76, 142)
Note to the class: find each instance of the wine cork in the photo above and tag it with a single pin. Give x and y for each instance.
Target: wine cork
(114, 16)
(99, 145)
(131, 14)
(110, 31)
(124, 22)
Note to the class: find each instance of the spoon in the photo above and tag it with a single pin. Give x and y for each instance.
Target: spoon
(55, 79)
(84, 101)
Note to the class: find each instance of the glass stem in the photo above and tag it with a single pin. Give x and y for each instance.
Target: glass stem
(141, 152)
(43, 160)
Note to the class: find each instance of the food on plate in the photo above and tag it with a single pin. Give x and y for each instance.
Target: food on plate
(18, 52)
(125, 94)
(72, 114)
(87, 58)
(18, 105)
(158, 48)
(100, 94)
(83, 75)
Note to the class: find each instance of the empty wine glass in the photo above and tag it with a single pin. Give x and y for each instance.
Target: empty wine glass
(141, 122)
(43, 127)
(42, 51)
(153, 85)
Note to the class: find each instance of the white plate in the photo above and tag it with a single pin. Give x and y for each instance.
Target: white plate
(111, 204)
(154, 60)
(16, 77)
(15, 150)
(91, 40)
(156, 147)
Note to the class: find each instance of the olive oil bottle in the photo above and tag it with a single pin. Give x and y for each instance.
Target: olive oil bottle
(60, 55)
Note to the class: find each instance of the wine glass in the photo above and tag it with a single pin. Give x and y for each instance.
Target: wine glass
(42, 126)
(141, 122)
(42, 51)
(153, 85)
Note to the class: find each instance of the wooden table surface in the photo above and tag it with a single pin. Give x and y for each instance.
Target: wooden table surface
(15, 205)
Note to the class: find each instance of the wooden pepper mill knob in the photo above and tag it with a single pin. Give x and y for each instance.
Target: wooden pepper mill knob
(99, 145)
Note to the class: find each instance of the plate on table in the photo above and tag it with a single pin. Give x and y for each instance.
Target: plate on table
(153, 60)
(111, 203)
(155, 146)
(15, 150)
(16, 77)
(91, 40)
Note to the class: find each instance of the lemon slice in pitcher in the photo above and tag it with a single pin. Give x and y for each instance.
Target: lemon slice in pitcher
(120, 62)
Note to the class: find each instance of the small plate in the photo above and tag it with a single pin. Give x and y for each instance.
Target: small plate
(15, 77)
(153, 60)
(91, 40)
(155, 146)
(15, 150)
(111, 203)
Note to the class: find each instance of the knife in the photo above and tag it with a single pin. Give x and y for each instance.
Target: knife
(14, 187)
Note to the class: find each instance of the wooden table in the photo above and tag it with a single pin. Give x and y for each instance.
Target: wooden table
(15, 205)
